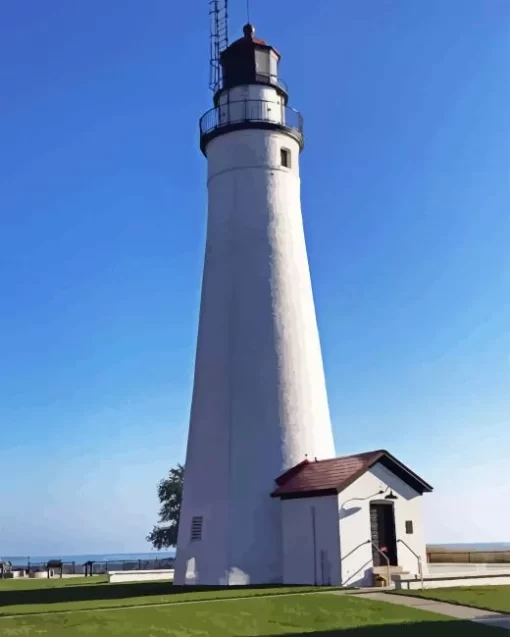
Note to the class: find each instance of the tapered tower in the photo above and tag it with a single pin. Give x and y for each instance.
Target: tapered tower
(259, 398)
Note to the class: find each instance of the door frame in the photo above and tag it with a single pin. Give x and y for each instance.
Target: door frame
(391, 506)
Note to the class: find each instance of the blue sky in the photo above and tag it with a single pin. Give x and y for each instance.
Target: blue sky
(406, 200)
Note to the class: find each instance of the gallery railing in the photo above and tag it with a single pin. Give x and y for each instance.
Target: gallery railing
(251, 111)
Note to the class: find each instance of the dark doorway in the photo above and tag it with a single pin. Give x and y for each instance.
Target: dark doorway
(382, 527)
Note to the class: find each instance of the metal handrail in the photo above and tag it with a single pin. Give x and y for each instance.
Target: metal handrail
(253, 111)
(386, 558)
(388, 566)
(343, 557)
(420, 566)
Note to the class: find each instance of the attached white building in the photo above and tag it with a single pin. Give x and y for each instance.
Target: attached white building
(346, 519)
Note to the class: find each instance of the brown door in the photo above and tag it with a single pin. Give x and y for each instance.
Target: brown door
(382, 527)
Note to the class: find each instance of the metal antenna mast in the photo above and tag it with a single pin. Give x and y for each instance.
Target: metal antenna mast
(218, 17)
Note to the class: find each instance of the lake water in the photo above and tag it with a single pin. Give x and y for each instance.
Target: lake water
(98, 557)
(161, 555)
(480, 546)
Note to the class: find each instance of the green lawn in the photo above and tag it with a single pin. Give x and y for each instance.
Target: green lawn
(320, 615)
(21, 597)
(25, 583)
(487, 597)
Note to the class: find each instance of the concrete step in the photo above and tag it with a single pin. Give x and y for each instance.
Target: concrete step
(383, 570)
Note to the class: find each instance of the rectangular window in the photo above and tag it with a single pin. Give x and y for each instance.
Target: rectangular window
(196, 528)
(262, 62)
(409, 527)
(285, 157)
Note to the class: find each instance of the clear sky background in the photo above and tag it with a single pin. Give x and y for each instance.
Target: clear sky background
(406, 200)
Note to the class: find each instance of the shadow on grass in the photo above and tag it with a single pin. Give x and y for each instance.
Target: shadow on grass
(105, 591)
(454, 628)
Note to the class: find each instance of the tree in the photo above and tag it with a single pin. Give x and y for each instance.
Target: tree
(164, 534)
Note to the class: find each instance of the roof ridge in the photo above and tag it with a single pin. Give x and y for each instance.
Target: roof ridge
(291, 472)
(304, 481)
(352, 455)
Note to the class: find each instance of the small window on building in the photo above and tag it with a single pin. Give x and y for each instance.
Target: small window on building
(409, 527)
(196, 529)
(285, 157)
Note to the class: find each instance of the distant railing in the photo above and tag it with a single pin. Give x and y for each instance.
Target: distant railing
(97, 568)
(472, 557)
(250, 111)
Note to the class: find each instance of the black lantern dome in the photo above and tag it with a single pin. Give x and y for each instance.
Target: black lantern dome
(249, 60)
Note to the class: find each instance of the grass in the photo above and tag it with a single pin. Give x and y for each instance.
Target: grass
(26, 583)
(22, 597)
(496, 598)
(321, 615)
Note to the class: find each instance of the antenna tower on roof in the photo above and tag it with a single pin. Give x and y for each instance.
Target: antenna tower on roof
(218, 19)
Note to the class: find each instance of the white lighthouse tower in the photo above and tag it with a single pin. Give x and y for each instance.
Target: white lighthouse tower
(259, 401)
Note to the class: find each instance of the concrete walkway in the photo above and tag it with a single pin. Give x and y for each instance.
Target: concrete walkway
(487, 617)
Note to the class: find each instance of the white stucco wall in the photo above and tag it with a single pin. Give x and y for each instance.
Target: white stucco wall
(449, 569)
(114, 577)
(451, 582)
(256, 102)
(250, 92)
(306, 561)
(354, 519)
(259, 397)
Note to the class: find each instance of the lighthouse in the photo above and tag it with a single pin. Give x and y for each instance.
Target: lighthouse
(259, 403)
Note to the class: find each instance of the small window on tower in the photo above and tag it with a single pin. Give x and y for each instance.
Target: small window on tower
(196, 528)
(285, 157)
(409, 527)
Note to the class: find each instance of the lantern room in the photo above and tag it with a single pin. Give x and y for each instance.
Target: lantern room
(250, 60)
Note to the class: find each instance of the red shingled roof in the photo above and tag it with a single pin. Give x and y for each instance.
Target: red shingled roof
(323, 477)
(249, 42)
